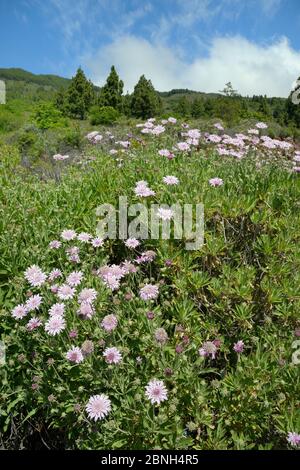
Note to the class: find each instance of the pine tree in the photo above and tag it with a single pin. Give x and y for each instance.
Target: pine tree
(197, 108)
(111, 94)
(79, 96)
(229, 91)
(183, 107)
(209, 107)
(60, 100)
(145, 101)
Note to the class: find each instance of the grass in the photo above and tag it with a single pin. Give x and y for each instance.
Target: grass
(243, 284)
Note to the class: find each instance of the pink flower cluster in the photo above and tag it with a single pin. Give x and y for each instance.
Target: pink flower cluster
(142, 189)
(94, 137)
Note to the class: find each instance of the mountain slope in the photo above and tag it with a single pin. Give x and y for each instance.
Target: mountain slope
(17, 74)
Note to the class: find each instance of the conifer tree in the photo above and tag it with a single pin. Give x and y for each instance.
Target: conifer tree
(197, 108)
(111, 94)
(79, 96)
(145, 101)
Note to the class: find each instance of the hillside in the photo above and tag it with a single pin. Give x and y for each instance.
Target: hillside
(17, 74)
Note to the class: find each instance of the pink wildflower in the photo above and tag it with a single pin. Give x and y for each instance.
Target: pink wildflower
(75, 355)
(149, 292)
(19, 312)
(216, 182)
(112, 355)
(87, 295)
(239, 346)
(33, 303)
(35, 276)
(156, 391)
(74, 279)
(98, 407)
(109, 322)
(132, 243)
(68, 235)
(33, 323)
(170, 180)
(57, 309)
(55, 325)
(55, 244)
(65, 292)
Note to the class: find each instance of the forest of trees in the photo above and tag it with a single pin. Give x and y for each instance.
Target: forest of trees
(80, 98)
(58, 98)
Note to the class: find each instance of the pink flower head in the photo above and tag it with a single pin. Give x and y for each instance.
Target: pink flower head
(55, 273)
(55, 244)
(19, 312)
(164, 153)
(124, 143)
(111, 281)
(86, 310)
(33, 323)
(146, 257)
(57, 309)
(142, 189)
(65, 292)
(170, 180)
(98, 407)
(172, 120)
(55, 325)
(73, 254)
(157, 130)
(239, 346)
(156, 391)
(128, 267)
(293, 438)
(84, 237)
(87, 295)
(132, 243)
(112, 355)
(261, 125)
(219, 126)
(165, 214)
(216, 182)
(161, 335)
(253, 131)
(213, 138)
(35, 276)
(54, 288)
(97, 242)
(75, 278)
(109, 322)
(75, 355)
(33, 303)
(208, 349)
(183, 146)
(149, 292)
(194, 134)
(68, 235)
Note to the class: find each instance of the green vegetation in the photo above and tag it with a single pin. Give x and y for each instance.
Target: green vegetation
(220, 331)
(103, 115)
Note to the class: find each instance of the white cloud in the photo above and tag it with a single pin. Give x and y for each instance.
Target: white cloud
(252, 68)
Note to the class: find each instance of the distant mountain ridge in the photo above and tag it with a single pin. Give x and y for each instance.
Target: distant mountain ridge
(57, 82)
(18, 74)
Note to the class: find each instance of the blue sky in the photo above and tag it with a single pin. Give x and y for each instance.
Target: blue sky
(199, 44)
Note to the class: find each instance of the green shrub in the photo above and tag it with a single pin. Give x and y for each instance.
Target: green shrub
(71, 138)
(103, 115)
(47, 116)
(8, 120)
